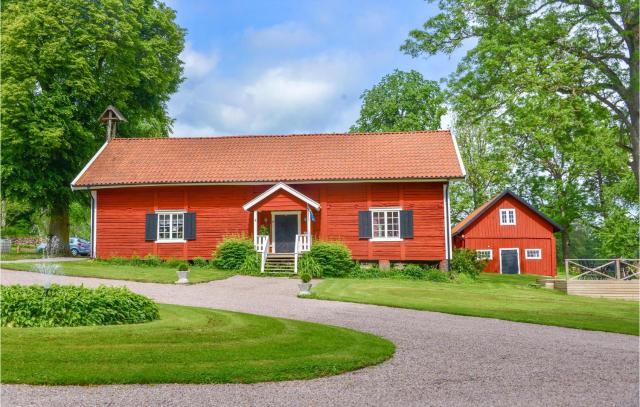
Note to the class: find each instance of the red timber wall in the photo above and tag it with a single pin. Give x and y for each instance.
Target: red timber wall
(121, 213)
(530, 232)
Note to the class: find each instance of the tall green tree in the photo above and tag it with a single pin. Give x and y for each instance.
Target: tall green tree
(401, 101)
(62, 63)
(596, 41)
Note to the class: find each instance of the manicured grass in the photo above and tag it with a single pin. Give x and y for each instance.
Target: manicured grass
(161, 274)
(23, 254)
(493, 296)
(187, 345)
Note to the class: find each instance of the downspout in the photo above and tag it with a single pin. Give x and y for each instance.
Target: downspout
(94, 221)
(447, 229)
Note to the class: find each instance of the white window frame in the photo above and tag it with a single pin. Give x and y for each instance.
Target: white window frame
(484, 258)
(506, 212)
(172, 213)
(526, 254)
(386, 211)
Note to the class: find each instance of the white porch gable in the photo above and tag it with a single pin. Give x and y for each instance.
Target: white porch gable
(281, 186)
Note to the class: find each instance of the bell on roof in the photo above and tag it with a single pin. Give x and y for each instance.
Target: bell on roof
(111, 116)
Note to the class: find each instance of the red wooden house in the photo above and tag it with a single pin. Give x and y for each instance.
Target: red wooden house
(511, 234)
(385, 195)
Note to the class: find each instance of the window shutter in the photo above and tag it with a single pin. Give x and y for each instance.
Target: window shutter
(151, 227)
(406, 224)
(364, 224)
(190, 226)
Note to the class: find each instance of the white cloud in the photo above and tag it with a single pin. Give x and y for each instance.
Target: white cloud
(197, 64)
(307, 95)
(284, 35)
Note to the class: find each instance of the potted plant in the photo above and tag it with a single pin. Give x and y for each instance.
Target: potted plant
(305, 285)
(183, 272)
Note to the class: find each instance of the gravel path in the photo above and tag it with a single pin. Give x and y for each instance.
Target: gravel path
(440, 359)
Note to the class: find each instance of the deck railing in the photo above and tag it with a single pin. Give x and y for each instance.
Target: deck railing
(303, 244)
(261, 241)
(602, 269)
(264, 241)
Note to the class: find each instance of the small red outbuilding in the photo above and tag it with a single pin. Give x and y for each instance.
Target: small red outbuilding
(511, 234)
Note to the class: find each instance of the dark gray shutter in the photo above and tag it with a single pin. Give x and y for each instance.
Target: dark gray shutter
(190, 226)
(151, 227)
(364, 224)
(406, 224)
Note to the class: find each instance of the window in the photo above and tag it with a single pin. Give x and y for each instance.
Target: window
(507, 216)
(484, 254)
(533, 254)
(170, 226)
(386, 224)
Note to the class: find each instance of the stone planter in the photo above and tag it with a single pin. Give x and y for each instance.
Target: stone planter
(305, 288)
(182, 277)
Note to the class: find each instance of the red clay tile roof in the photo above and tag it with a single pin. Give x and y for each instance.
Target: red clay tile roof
(290, 158)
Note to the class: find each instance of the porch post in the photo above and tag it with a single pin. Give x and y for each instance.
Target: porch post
(309, 224)
(255, 228)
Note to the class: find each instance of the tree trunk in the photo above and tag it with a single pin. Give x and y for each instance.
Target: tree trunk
(566, 252)
(59, 230)
(635, 148)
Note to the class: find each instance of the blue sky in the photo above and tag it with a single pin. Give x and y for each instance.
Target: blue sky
(278, 67)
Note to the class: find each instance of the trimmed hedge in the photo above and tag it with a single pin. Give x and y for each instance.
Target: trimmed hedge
(334, 258)
(32, 306)
(232, 252)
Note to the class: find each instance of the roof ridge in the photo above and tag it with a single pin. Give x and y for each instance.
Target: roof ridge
(283, 135)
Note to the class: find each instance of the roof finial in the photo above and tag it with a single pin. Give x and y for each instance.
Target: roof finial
(111, 116)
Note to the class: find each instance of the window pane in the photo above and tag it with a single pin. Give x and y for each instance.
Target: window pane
(378, 224)
(393, 224)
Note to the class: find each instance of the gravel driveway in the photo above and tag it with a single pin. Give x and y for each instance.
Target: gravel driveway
(440, 360)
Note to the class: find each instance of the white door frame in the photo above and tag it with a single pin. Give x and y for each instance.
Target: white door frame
(517, 251)
(273, 225)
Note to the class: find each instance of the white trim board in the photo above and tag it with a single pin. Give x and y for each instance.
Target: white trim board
(284, 187)
(329, 181)
(86, 167)
(455, 145)
(510, 248)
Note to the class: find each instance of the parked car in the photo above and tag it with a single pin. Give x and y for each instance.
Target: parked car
(77, 246)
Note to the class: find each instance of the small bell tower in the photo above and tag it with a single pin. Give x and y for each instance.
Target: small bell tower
(112, 117)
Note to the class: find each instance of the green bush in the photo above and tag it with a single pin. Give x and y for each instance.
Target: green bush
(152, 261)
(305, 277)
(136, 261)
(173, 263)
(432, 274)
(183, 266)
(333, 258)
(199, 262)
(232, 252)
(464, 261)
(32, 306)
(251, 264)
(413, 271)
(307, 264)
(463, 278)
(118, 261)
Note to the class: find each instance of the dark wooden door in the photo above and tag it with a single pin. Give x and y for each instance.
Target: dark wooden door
(509, 261)
(286, 228)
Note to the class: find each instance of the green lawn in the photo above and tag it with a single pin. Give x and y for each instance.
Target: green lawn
(25, 253)
(187, 345)
(492, 296)
(162, 274)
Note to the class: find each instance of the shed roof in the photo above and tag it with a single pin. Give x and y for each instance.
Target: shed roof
(419, 155)
(475, 214)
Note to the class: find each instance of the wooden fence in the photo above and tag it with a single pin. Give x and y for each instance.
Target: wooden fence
(611, 278)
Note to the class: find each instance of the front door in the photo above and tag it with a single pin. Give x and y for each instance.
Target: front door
(509, 263)
(285, 230)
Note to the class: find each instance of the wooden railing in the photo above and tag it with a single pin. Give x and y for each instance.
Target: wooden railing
(303, 244)
(264, 242)
(602, 269)
(261, 242)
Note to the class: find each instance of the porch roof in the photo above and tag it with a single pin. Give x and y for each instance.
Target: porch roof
(281, 186)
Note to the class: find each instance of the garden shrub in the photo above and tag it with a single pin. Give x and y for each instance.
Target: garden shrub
(33, 306)
(183, 266)
(333, 258)
(173, 263)
(464, 261)
(251, 264)
(307, 264)
(118, 261)
(433, 274)
(199, 262)
(413, 271)
(136, 261)
(305, 277)
(232, 252)
(152, 261)
(463, 278)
